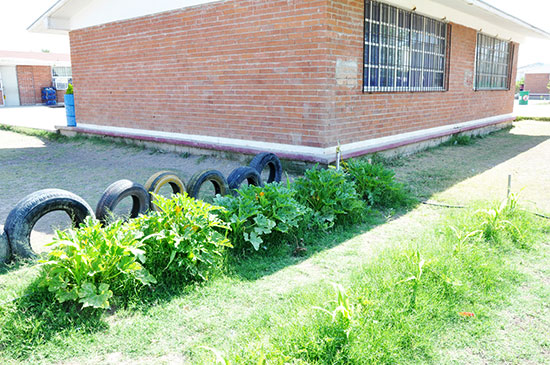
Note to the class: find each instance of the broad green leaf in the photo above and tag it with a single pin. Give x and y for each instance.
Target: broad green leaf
(90, 297)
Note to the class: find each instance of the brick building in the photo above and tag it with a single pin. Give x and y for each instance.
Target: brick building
(24, 74)
(296, 77)
(537, 84)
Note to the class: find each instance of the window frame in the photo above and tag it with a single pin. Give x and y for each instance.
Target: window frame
(61, 80)
(481, 40)
(403, 38)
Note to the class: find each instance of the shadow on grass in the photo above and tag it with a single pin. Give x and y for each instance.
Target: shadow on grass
(293, 251)
(37, 319)
(437, 169)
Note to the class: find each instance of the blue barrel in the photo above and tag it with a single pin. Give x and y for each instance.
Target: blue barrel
(69, 110)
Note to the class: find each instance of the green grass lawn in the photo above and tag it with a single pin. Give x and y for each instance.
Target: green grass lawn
(406, 278)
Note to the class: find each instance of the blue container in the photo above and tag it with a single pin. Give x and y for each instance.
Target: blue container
(49, 96)
(69, 110)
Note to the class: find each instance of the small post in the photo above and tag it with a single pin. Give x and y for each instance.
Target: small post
(338, 155)
(509, 187)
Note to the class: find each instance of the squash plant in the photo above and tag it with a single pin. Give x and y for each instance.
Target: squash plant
(184, 240)
(91, 264)
(260, 216)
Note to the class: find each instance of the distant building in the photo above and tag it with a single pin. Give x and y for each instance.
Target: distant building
(294, 77)
(24, 74)
(534, 68)
(537, 85)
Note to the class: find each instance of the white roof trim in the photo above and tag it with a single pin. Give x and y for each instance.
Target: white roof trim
(534, 32)
(476, 14)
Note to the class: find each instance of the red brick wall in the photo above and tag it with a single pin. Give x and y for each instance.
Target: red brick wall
(31, 80)
(357, 116)
(252, 69)
(261, 70)
(537, 83)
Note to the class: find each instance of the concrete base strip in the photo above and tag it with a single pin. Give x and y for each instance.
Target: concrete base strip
(287, 151)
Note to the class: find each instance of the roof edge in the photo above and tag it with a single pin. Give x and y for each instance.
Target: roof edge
(488, 7)
(39, 21)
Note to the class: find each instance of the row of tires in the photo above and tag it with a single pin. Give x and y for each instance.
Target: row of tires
(15, 239)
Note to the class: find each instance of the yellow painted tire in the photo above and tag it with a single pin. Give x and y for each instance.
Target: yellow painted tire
(161, 178)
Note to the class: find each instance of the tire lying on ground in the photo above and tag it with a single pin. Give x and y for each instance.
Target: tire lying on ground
(160, 179)
(242, 174)
(114, 194)
(31, 208)
(266, 159)
(5, 250)
(215, 177)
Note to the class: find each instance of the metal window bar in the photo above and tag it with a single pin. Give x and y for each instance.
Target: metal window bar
(403, 51)
(493, 63)
(62, 71)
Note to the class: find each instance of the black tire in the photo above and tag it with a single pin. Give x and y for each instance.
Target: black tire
(31, 208)
(213, 176)
(266, 159)
(5, 249)
(115, 193)
(161, 178)
(241, 174)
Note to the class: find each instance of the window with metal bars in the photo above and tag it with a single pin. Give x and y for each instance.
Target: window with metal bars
(404, 51)
(493, 58)
(61, 77)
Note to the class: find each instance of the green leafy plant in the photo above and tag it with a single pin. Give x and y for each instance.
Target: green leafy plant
(494, 221)
(418, 267)
(343, 307)
(459, 139)
(70, 90)
(182, 240)
(91, 264)
(332, 197)
(261, 215)
(375, 183)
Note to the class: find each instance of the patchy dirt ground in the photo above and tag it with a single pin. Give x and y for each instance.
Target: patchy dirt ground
(28, 164)
(460, 174)
(478, 171)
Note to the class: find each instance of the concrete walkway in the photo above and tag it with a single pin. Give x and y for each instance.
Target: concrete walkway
(535, 108)
(37, 117)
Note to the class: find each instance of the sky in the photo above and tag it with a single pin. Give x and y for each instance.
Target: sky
(17, 15)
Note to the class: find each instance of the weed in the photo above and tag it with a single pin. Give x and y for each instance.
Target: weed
(459, 139)
(343, 311)
(538, 119)
(52, 136)
(185, 154)
(201, 159)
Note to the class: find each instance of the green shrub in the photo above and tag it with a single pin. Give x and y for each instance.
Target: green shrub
(332, 197)
(91, 264)
(376, 184)
(182, 241)
(261, 215)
